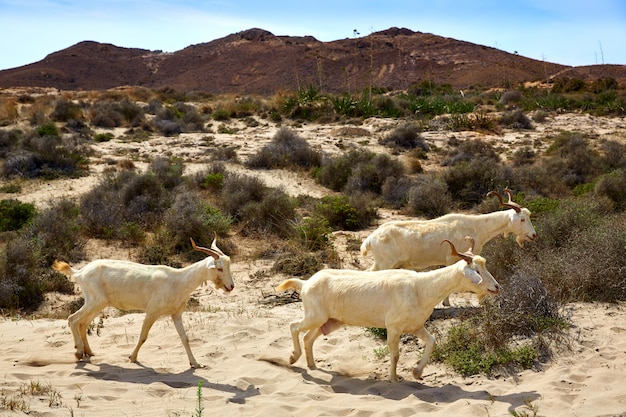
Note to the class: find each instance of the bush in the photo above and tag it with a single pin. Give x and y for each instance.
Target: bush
(111, 114)
(47, 129)
(613, 186)
(25, 274)
(395, 191)
(429, 197)
(65, 110)
(47, 157)
(339, 213)
(370, 176)
(58, 232)
(286, 150)
(405, 136)
(571, 159)
(274, 213)
(127, 199)
(238, 191)
(190, 217)
(482, 342)
(313, 233)
(335, 172)
(14, 215)
(516, 120)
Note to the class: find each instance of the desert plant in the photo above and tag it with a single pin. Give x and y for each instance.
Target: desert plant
(14, 214)
(515, 119)
(428, 196)
(65, 110)
(48, 157)
(613, 186)
(189, 216)
(274, 213)
(286, 150)
(405, 136)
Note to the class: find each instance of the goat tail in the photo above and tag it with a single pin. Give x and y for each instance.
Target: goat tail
(293, 283)
(64, 268)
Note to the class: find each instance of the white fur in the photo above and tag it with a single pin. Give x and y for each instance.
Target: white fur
(414, 244)
(399, 300)
(156, 289)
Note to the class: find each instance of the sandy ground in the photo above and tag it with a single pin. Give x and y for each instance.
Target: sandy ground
(245, 342)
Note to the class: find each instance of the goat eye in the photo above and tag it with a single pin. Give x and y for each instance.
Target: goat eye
(220, 269)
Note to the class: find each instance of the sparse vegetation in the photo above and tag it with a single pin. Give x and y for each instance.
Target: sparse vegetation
(573, 183)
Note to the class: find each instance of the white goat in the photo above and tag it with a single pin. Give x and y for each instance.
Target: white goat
(156, 289)
(397, 299)
(414, 244)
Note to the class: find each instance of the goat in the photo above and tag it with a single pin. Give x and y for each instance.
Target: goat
(413, 244)
(399, 300)
(156, 289)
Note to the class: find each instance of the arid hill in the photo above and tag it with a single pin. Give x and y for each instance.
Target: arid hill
(256, 61)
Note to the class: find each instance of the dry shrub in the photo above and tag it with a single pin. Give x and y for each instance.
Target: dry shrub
(428, 196)
(286, 150)
(190, 217)
(25, 274)
(405, 136)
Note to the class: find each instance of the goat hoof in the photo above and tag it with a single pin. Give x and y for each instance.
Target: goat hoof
(197, 365)
(79, 356)
(417, 374)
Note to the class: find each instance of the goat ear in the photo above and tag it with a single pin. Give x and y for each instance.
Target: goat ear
(472, 275)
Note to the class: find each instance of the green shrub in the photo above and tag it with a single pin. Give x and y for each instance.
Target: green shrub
(14, 214)
(47, 129)
(220, 115)
(213, 181)
(314, 233)
(103, 137)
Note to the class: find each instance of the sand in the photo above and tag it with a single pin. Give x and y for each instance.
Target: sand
(244, 342)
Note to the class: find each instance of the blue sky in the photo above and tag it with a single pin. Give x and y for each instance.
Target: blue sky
(570, 32)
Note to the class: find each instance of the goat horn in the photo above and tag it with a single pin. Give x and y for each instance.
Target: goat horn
(497, 194)
(512, 204)
(214, 244)
(466, 256)
(208, 251)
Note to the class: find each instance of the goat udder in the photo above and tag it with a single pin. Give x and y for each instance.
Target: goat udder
(330, 326)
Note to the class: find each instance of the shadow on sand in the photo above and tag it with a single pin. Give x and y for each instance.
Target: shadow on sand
(145, 375)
